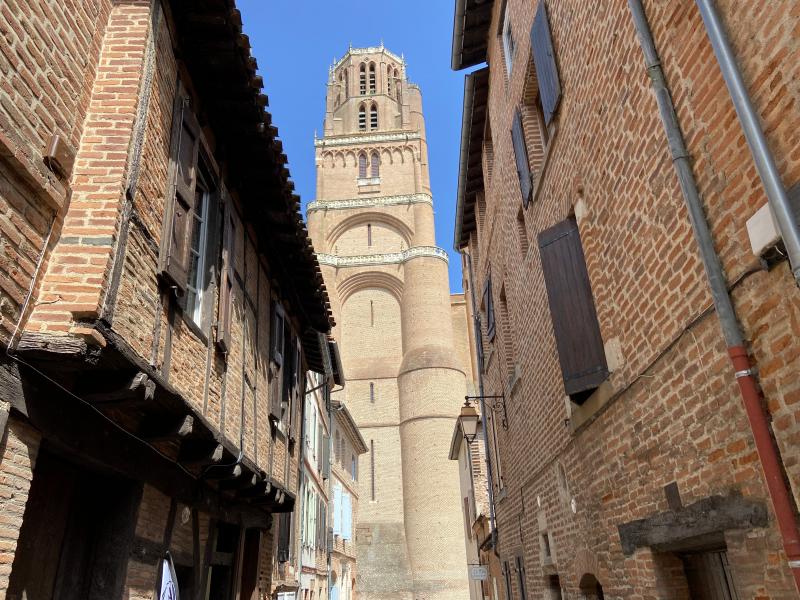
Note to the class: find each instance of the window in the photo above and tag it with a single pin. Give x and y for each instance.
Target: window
(507, 579)
(375, 165)
(362, 118)
(521, 578)
(346, 84)
(196, 280)
(488, 152)
(521, 158)
(575, 324)
(507, 337)
(508, 39)
(373, 116)
(362, 165)
(230, 231)
(389, 77)
(369, 243)
(488, 307)
(353, 467)
(372, 87)
(544, 58)
(362, 79)
(372, 392)
(522, 233)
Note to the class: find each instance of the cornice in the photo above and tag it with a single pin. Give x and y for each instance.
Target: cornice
(365, 138)
(369, 202)
(392, 258)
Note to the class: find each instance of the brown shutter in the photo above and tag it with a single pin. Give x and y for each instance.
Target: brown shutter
(544, 60)
(521, 158)
(277, 333)
(229, 233)
(577, 332)
(181, 195)
(488, 305)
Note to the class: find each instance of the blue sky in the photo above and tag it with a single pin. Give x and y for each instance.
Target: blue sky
(296, 41)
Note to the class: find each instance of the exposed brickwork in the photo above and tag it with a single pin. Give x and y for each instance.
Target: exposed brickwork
(674, 412)
(18, 450)
(102, 75)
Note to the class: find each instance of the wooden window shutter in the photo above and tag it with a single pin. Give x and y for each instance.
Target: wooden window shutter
(544, 59)
(569, 293)
(277, 333)
(521, 158)
(488, 305)
(284, 536)
(181, 195)
(230, 232)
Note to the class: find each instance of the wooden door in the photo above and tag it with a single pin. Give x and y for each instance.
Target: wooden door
(709, 576)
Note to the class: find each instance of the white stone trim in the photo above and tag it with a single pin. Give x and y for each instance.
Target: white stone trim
(392, 258)
(366, 139)
(370, 202)
(369, 181)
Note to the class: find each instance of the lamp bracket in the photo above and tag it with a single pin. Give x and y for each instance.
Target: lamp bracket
(496, 403)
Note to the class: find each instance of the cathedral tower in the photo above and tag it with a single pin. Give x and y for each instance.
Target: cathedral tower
(372, 226)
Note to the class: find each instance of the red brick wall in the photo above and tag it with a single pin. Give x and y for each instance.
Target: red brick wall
(676, 414)
(18, 449)
(48, 58)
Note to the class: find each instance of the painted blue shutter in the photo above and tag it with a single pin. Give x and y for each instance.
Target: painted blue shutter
(337, 510)
(521, 158)
(347, 516)
(544, 59)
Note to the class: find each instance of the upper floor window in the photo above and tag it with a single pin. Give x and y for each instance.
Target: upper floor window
(396, 77)
(362, 165)
(362, 79)
(488, 307)
(372, 86)
(373, 116)
(346, 83)
(196, 281)
(362, 118)
(575, 324)
(354, 467)
(389, 78)
(508, 40)
(375, 165)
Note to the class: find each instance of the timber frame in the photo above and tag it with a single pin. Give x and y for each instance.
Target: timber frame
(69, 383)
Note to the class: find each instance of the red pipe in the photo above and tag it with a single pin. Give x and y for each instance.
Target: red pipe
(781, 503)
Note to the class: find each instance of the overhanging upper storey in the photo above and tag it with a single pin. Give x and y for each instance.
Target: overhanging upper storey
(470, 168)
(470, 32)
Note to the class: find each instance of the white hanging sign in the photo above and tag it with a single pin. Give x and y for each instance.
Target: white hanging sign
(169, 582)
(478, 572)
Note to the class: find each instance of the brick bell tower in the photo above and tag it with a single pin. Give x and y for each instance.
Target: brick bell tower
(372, 225)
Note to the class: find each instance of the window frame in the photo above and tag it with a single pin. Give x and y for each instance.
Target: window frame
(507, 39)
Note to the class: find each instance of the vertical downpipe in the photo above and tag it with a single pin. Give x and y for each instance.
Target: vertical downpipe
(743, 370)
(759, 148)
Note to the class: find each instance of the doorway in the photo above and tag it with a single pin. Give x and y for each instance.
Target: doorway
(76, 532)
(708, 575)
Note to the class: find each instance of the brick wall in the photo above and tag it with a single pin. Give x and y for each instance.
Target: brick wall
(674, 413)
(18, 449)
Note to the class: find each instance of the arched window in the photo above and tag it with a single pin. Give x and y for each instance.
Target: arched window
(372, 78)
(362, 165)
(396, 78)
(375, 164)
(389, 78)
(346, 84)
(373, 116)
(362, 118)
(362, 80)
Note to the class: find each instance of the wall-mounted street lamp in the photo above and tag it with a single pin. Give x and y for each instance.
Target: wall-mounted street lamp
(469, 421)
(493, 403)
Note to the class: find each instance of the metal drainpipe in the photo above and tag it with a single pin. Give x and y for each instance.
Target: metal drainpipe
(479, 340)
(764, 161)
(744, 372)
